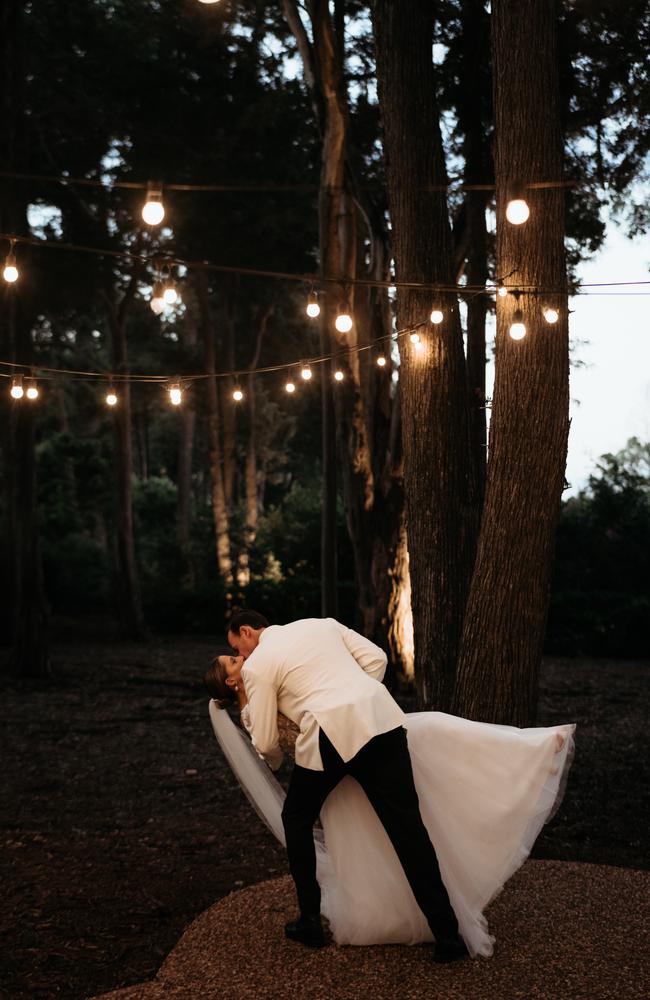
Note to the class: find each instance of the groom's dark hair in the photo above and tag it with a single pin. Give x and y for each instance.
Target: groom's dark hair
(246, 617)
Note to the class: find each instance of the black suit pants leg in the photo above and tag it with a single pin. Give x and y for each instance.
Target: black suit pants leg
(383, 769)
(305, 797)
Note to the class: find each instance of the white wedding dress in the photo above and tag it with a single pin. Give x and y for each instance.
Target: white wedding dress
(485, 792)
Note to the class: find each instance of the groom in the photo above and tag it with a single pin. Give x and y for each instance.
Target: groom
(327, 679)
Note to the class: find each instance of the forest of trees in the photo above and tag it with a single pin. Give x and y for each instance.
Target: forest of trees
(333, 131)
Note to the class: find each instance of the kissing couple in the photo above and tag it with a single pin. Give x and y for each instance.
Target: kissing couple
(424, 815)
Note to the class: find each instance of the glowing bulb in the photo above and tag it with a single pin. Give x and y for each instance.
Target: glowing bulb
(17, 391)
(306, 373)
(415, 338)
(175, 395)
(32, 391)
(157, 302)
(437, 316)
(502, 291)
(111, 398)
(419, 347)
(313, 308)
(381, 361)
(517, 211)
(518, 327)
(343, 322)
(237, 395)
(153, 210)
(551, 315)
(290, 387)
(209, 1)
(10, 273)
(338, 375)
(170, 295)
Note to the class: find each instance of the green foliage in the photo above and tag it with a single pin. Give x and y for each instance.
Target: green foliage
(601, 593)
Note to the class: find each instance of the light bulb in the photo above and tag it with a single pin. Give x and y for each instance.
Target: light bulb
(313, 308)
(10, 273)
(306, 373)
(111, 398)
(517, 211)
(415, 338)
(338, 375)
(419, 347)
(170, 295)
(237, 395)
(17, 391)
(153, 210)
(209, 1)
(175, 395)
(290, 387)
(437, 316)
(157, 302)
(343, 322)
(32, 391)
(551, 315)
(518, 327)
(381, 361)
(502, 291)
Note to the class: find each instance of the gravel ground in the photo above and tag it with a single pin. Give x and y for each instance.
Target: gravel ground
(564, 932)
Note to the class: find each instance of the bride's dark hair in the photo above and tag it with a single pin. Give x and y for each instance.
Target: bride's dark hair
(215, 681)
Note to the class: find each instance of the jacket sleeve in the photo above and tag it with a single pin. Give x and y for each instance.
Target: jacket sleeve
(370, 658)
(263, 712)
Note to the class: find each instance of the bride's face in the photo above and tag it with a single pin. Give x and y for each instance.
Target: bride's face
(232, 666)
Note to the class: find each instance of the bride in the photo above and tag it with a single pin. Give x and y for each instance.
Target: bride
(485, 792)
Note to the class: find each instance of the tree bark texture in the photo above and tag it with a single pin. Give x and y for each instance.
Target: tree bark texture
(478, 170)
(441, 499)
(506, 612)
(218, 494)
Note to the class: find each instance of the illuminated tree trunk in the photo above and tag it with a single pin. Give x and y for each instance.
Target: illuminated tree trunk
(218, 495)
(506, 611)
(441, 500)
(251, 500)
(362, 402)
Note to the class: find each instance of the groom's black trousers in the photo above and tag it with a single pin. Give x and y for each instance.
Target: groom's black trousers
(383, 769)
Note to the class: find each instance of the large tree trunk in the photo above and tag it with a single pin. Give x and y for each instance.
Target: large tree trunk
(440, 496)
(506, 611)
(127, 590)
(26, 614)
(218, 494)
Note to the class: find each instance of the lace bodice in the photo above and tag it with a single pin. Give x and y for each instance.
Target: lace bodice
(287, 730)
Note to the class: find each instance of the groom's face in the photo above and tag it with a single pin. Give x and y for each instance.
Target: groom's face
(246, 641)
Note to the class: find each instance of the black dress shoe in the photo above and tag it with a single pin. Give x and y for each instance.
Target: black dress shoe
(306, 930)
(450, 950)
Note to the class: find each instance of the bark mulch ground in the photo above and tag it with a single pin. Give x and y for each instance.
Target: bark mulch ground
(120, 822)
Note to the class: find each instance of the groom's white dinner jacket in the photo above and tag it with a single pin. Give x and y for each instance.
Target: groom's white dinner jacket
(321, 675)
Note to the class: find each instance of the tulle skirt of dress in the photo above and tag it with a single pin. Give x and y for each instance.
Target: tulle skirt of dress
(485, 792)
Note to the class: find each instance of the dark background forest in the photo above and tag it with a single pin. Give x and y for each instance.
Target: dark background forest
(199, 98)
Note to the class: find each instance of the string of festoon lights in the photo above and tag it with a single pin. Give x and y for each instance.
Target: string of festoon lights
(165, 294)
